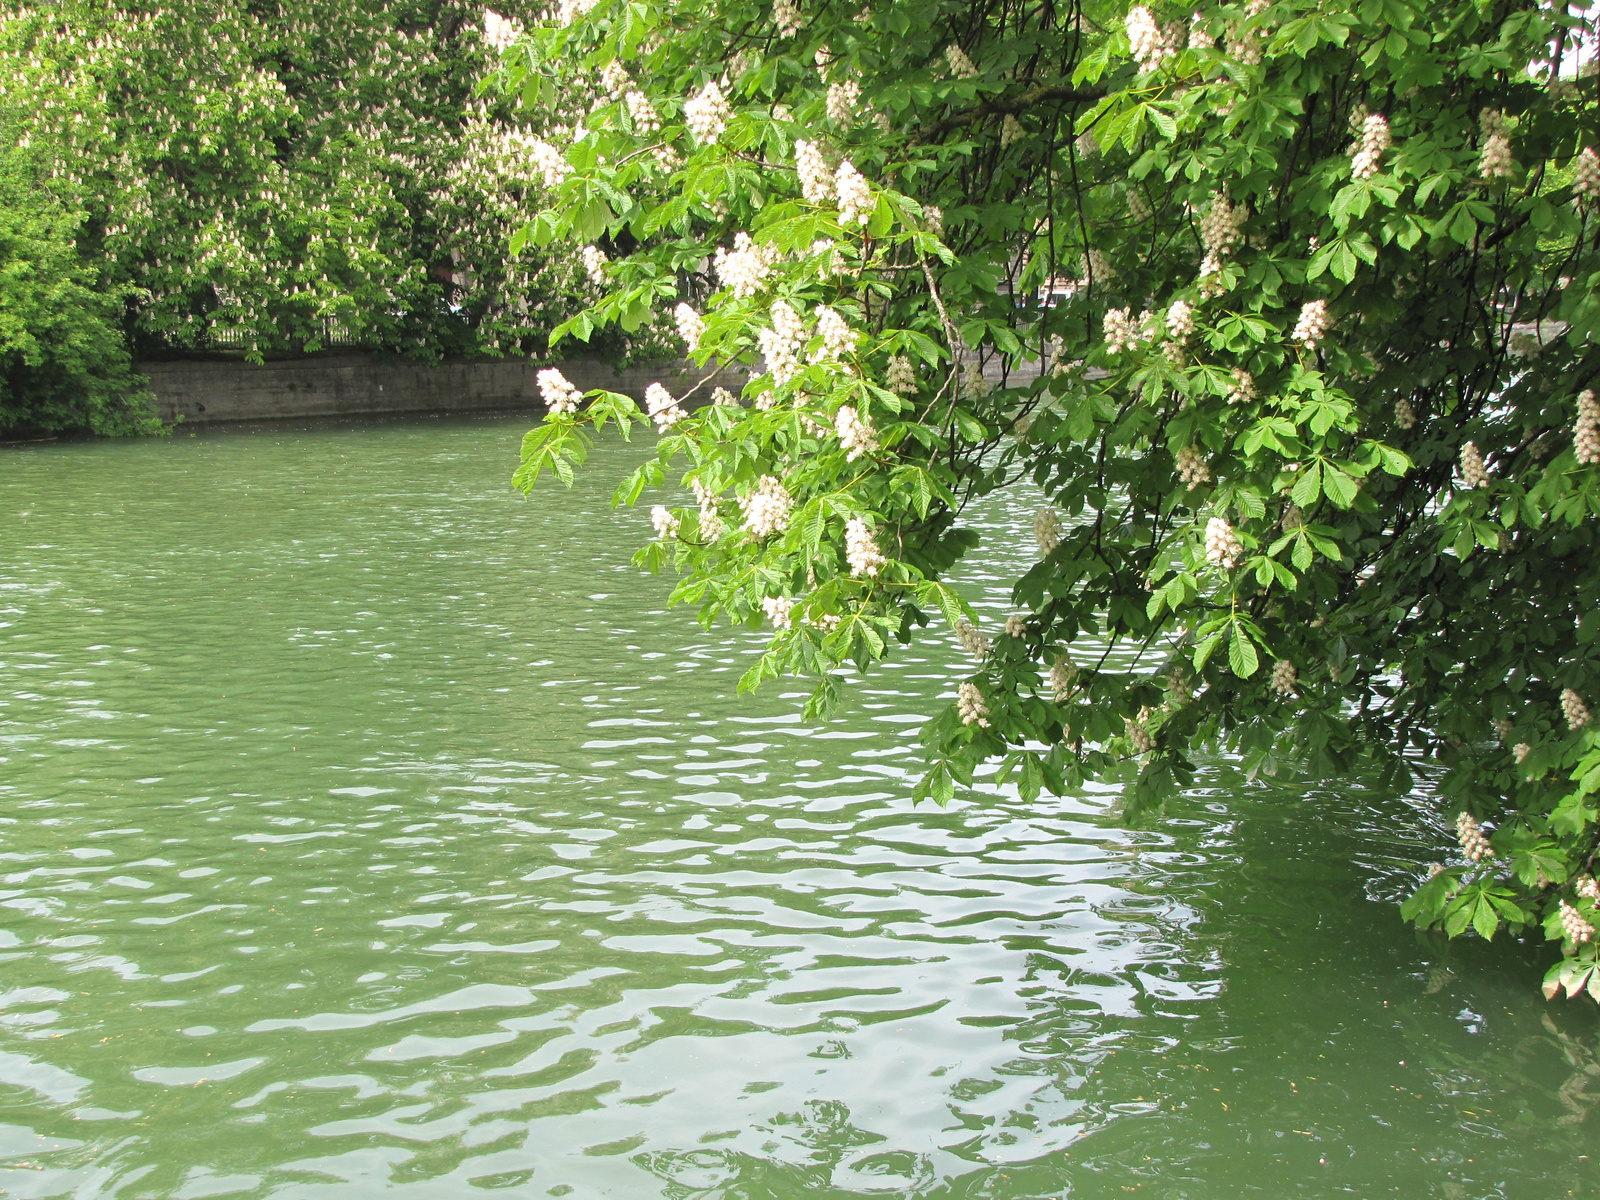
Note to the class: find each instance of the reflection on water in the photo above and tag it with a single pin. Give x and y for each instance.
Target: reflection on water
(370, 830)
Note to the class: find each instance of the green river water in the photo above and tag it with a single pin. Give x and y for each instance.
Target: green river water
(368, 830)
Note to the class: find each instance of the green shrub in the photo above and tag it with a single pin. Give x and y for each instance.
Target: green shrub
(64, 361)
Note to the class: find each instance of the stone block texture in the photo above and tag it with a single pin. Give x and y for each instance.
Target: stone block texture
(341, 385)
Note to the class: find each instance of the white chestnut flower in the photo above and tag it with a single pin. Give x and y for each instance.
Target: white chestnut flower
(816, 181)
(1220, 226)
(666, 524)
(1312, 325)
(855, 197)
(1404, 415)
(1148, 42)
(767, 509)
(614, 80)
(861, 549)
(706, 113)
(972, 641)
(781, 344)
(1192, 468)
(1574, 925)
(961, 66)
(1573, 708)
(779, 610)
(559, 395)
(743, 269)
(1244, 387)
(855, 434)
(711, 525)
(1120, 330)
(499, 32)
(550, 162)
(1063, 678)
(844, 101)
(1369, 147)
(1496, 161)
(1244, 46)
(1586, 430)
(1473, 842)
(691, 328)
(1180, 321)
(594, 264)
(1586, 173)
(1096, 266)
(641, 111)
(1223, 547)
(901, 378)
(970, 705)
(838, 339)
(663, 409)
(1046, 529)
(1285, 677)
(974, 384)
(569, 11)
(786, 16)
(1474, 474)
(1138, 735)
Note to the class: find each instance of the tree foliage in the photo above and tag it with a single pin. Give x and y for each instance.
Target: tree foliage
(1287, 310)
(64, 362)
(266, 176)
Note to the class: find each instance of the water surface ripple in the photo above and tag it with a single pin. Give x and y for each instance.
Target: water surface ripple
(368, 830)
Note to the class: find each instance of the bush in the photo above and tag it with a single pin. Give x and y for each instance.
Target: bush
(64, 359)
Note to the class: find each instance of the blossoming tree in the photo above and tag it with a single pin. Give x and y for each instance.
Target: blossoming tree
(267, 176)
(1287, 310)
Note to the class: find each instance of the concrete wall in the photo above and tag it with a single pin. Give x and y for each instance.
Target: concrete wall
(337, 385)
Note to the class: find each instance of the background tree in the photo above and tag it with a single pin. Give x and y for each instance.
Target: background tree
(266, 176)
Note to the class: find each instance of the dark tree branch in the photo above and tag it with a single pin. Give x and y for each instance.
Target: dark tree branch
(1011, 104)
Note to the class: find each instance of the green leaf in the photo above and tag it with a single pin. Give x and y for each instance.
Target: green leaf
(1242, 658)
(1485, 919)
(1462, 225)
(1300, 556)
(1340, 488)
(1165, 124)
(1308, 486)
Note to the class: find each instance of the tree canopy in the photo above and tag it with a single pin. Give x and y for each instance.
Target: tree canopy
(278, 175)
(1287, 310)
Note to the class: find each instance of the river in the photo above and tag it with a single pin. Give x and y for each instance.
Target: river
(369, 830)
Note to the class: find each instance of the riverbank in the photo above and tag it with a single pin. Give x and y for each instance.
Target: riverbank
(358, 384)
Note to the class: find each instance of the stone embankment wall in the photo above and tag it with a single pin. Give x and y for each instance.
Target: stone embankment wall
(340, 385)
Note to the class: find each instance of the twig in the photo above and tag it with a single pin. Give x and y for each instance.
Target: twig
(1011, 104)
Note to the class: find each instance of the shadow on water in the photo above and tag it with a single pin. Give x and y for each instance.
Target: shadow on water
(369, 830)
